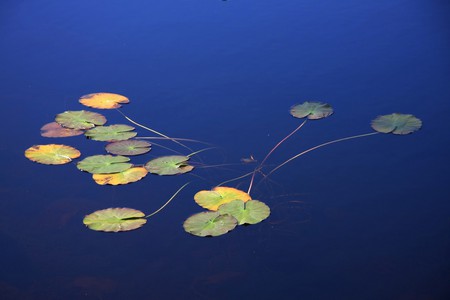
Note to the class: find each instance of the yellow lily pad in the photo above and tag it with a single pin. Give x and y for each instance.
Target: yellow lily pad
(124, 177)
(219, 195)
(52, 154)
(103, 100)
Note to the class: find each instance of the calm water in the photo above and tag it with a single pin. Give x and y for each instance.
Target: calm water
(365, 219)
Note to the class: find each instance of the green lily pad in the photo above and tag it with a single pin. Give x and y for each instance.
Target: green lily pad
(209, 224)
(111, 133)
(52, 154)
(131, 147)
(169, 165)
(219, 195)
(396, 123)
(104, 164)
(115, 219)
(250, 212)
(80, 119)
(311, 110)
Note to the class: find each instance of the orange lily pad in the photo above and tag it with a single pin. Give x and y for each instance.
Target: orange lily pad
(52, 154)
(219, 195)
(103, 100)
(124, 177)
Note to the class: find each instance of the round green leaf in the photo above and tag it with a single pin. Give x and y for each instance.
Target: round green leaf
(111, 133)
(80, 119)
(311, 110)
(115, 219)
(209, 223)
(250, 212)
(104, 164)
(169, 165)
(52, 154)
(396, 123)
(131, 147)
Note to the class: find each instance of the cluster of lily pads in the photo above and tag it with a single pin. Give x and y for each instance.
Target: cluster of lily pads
(227, 207)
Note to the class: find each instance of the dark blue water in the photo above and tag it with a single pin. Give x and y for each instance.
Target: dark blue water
(365, 219)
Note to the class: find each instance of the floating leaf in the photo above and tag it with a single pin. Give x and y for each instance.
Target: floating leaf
(311, 110)
(54, 129)
(115, 219)
(127, 176)
(117, 132)
(209, 223)
(169, 165)
(396, 123)
(219, 195)
(250, 212)
(104, 164)
(52, 154)
(80, 119)
(131, 147)
(103, 100)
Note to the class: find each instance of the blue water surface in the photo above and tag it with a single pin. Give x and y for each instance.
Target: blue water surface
(363, 219)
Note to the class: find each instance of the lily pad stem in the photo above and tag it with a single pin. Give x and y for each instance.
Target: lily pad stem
(199, 151)
(319, 146)
(168, 201)
(270, 152)
(237, 178)
(154, 131)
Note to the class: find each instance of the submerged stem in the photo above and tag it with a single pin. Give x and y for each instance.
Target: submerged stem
(199, 151)
(168, 201)
(319, 146)
(270, 152)
(237, 178)
(154, 131)
(177, 139)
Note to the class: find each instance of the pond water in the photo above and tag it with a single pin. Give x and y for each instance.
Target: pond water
(363, 219)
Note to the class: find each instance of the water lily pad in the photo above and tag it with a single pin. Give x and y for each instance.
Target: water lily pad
(250, 212)
(311, 110)
(115, 219)
(80, 119)
(219, 195)
(209, 224)
(396, 123)
(131, 147)
(52, 154)
(124, 177)
(54, 130)
(111, 133)
(104, 164)
(169, 165)
(103, 100)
